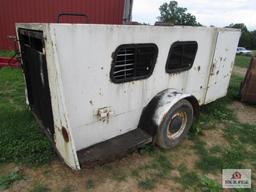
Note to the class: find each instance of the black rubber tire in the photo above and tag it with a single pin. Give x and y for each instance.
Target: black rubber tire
(162, 138)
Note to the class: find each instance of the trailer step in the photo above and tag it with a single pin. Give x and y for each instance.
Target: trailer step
(114, 148)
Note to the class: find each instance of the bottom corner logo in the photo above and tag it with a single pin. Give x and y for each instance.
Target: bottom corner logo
(236, 178)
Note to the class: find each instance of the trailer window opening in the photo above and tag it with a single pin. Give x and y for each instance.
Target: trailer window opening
(181, 56)
(133, 62)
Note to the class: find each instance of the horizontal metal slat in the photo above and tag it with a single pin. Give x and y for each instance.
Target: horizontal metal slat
(123, 70)
(124, 76)
(125, 61)
(125, 54)
(124, 65)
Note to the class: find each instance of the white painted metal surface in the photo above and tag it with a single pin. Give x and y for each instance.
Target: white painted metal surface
(79, 62)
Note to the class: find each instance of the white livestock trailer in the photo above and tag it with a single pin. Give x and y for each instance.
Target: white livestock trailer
(99, 91)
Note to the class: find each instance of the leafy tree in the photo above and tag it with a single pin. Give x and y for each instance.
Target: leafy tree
(253, 34)
(241, 26)
(177, 15)
(247, 38)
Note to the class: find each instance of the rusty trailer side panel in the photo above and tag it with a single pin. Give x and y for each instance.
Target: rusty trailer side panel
(248, 86)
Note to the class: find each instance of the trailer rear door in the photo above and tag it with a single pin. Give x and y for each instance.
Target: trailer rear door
(222, 65)
(36, 76)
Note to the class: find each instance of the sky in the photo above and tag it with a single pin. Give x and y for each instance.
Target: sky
(219, 13)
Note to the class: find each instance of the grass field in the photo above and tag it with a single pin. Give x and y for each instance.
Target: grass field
(219, 140)
(21, 140)
(243, 61)
(6, 53)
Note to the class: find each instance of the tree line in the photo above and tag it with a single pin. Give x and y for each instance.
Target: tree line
(172, 13)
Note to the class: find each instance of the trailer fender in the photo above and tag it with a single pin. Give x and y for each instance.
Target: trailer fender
(153, 114)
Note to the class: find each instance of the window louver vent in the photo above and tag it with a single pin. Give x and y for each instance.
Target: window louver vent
(133, 62)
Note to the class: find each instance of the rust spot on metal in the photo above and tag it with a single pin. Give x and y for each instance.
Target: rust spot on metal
(65, 134)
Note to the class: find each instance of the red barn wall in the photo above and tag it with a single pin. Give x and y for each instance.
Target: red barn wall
(46, 11)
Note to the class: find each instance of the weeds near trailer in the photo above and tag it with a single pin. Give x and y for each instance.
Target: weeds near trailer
(68, 188)
(40, 188)
(187, 178)
(90, 184)
(153, 172)
(8, 180)
(210, 185)
(118, 175)
(218, 111)
(20, 138)
(240, 137)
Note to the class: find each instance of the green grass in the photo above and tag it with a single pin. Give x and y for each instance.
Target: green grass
(6, 53)
(8, 180)
(208, 161)
(20, 137)
(240, 151)
(68, 188)
(90, 184)
(210, 185)
(118, 175)
(147, 184)
(187, 178)
(40, 188)
(242, 61)
(155, 171)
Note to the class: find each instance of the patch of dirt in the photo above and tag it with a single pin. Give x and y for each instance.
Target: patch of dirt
(215, 136)
(217, 177)
(169, 186)
(7, 168)
(239, 71)
(185, 154)
(244, 113)
(57, 176)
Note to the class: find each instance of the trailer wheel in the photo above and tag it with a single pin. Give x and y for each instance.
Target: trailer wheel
(175, 125)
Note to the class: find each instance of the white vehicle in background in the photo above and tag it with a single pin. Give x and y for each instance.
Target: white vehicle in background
(243, 51)
(99, 91)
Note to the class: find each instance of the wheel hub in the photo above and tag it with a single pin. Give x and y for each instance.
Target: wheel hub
(177, 125)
